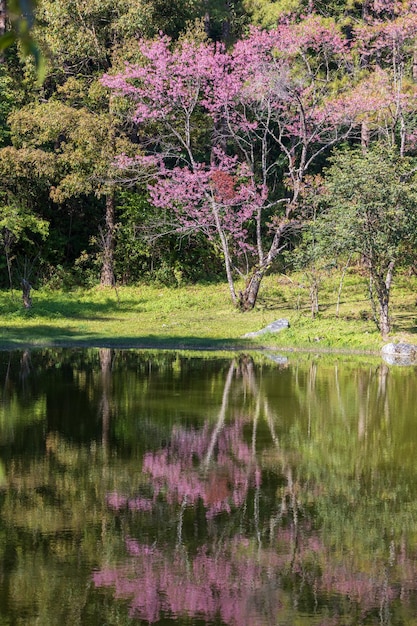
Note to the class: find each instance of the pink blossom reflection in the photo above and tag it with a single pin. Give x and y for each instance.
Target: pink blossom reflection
(215, 467)
(229, 585)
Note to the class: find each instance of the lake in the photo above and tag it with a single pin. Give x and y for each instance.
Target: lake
(162, 487)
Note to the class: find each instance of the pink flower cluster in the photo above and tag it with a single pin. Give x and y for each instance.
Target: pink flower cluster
(201, 201)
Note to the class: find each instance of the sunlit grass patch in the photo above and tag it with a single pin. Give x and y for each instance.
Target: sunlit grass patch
(203, 315)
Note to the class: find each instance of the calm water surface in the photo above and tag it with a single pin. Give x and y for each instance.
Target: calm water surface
(182, 489)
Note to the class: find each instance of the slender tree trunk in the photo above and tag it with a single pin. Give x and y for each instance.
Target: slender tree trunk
(403, 136)
(2, 23)
(229, 275)
(314, 296)
(226, 253)
(25, 365)
(226, 23)
(415, 62)
(365, 9)
(384, 321)
(206, 18)
(107, 270)
(106, 356)
(2, 17)
(26, 287)
(221, 418)
(7, 251)
(339, 291)
(384, 290)
(365, 135)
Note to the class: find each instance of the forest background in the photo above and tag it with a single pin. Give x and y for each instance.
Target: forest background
(177, 143)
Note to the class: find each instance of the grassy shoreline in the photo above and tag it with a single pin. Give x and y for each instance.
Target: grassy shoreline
(202, 317)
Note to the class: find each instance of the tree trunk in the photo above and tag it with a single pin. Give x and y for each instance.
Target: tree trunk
(2, 24)
(225, 249)
(384, 290)
(384, 321)
(365, 135)
(365, 9)
(107, 270)
(106, 357)
(415, 62)
(314, 296)
(226, 23)
(206, 18)
(249, 295)
(2, 17)
(26, 287)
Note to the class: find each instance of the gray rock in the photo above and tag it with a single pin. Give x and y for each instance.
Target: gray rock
(399, 354)
(274, 327)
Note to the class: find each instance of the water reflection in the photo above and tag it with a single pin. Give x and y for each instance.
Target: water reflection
(228, 584)
(146, 487)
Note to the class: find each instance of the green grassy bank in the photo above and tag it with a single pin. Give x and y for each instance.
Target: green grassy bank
(202, 316)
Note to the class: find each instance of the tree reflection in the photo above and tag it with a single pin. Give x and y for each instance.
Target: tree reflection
(206, 490)
(266, 558)
(213, 465)
(106, 359)
(216, 468)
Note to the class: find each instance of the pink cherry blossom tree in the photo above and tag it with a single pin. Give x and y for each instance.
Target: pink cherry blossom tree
(228, 137)
(387, 45)
(209, 192)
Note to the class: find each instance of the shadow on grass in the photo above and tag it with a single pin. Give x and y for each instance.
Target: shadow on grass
(74, 309)
(411, 330)
(404, 320)
(273, 304)
(44, 336)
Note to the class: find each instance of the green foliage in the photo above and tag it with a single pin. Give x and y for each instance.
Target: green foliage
(80, 37)
(266, 13)
(224, 20)
(65, 135)
(17, 224)
(371, 199)
(75, 35)
(81, 145)
(20, 222)
(312, 254)
(147, 17)
(21, 15)
(7, 103)
(147, 249)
